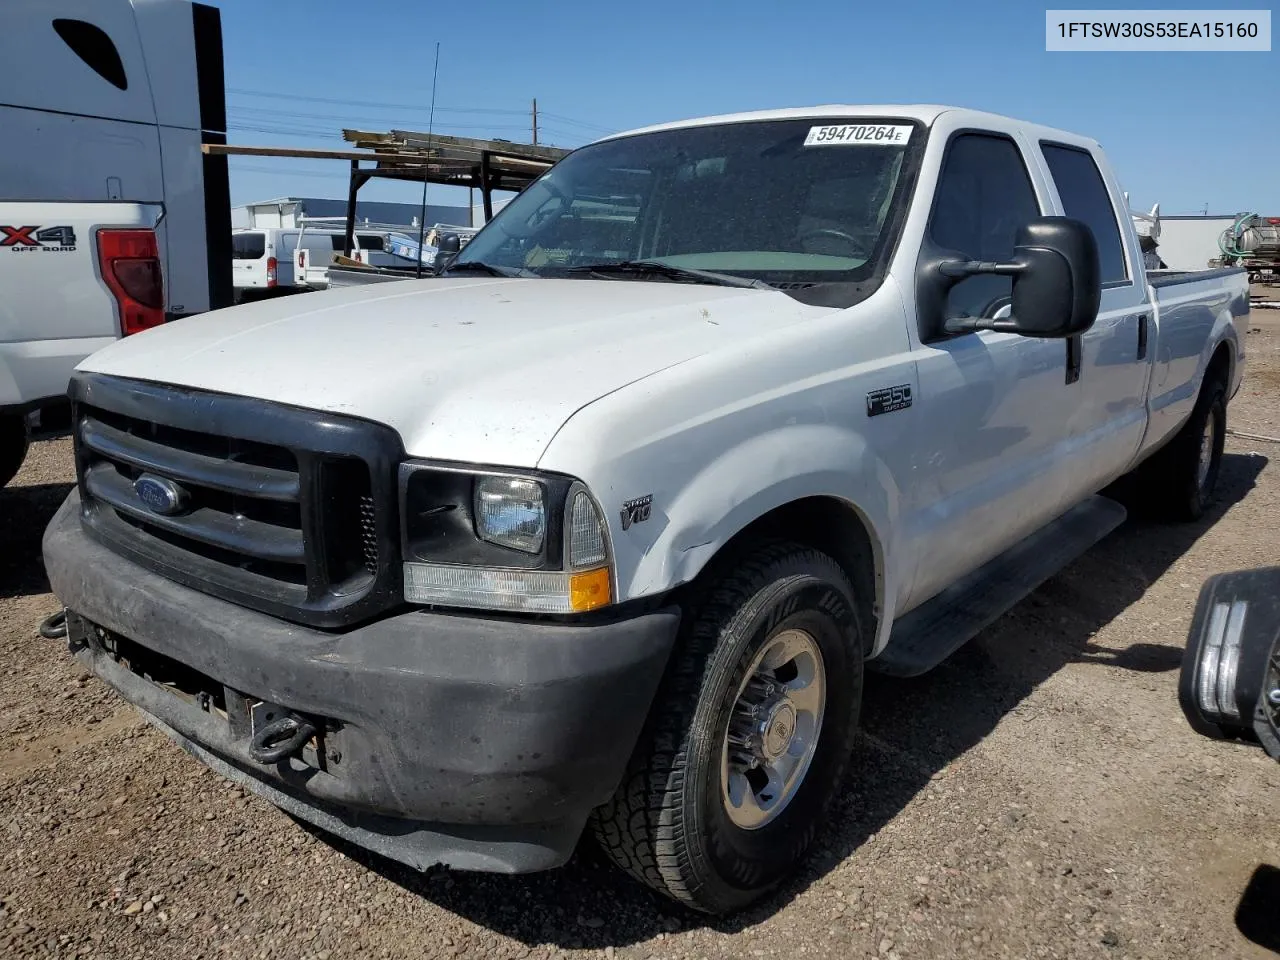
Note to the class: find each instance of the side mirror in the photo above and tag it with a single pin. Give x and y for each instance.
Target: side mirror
(1056, 286)
(1230, 682)
(447, 248)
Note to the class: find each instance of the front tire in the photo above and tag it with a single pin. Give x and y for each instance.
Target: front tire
(749, 736)
(13, 446)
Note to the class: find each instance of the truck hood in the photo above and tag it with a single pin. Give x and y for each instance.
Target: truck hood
(479, 370)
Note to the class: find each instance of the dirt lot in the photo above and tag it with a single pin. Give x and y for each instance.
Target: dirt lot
(1037, 796)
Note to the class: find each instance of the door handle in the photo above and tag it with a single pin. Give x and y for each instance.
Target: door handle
(1142, 336)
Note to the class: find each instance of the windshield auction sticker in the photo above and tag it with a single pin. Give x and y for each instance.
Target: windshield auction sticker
(859, 135)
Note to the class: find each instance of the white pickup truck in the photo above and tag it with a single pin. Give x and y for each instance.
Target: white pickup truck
(599, 529)
(111, 220)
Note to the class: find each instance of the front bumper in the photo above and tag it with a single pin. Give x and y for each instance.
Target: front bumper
(476, 742)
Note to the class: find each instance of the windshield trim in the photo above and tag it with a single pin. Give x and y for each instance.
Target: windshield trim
(830, 293)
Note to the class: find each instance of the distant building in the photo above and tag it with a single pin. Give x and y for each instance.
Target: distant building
(1190, 242)
(284, 212)
(477, 210)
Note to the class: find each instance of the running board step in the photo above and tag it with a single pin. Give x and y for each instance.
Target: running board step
(926, 636)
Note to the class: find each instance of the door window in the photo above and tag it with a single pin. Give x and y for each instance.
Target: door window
(984, 196)
(248, 246)
(92, 45)
(1084, 197)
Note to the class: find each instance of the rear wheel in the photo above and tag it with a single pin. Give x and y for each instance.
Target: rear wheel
(1178, 482)
(13, 445)
(749, 736)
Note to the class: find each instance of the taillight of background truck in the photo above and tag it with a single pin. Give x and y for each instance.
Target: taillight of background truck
(130, 262)
(271, 271)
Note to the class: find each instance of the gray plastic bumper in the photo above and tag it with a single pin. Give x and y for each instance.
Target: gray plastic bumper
(476, 742)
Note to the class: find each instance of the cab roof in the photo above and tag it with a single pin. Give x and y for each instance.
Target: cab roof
(926, 113)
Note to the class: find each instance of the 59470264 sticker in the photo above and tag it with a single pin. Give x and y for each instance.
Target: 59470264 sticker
(859, 134)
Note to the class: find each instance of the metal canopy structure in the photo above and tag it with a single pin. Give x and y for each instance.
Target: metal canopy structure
(486, 165)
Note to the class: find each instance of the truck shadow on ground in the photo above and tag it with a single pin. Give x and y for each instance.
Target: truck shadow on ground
(24, 513)
(1256, 915)
(912, 729)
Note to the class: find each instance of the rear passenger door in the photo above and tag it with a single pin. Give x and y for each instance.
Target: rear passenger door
(1107, 421)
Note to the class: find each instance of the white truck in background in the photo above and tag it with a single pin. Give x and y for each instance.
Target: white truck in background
(600, 529)
(112, 221)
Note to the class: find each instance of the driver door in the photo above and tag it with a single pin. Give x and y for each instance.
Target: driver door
(994, 421)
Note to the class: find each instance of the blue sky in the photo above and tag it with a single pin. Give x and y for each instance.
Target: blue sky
(1184, 129)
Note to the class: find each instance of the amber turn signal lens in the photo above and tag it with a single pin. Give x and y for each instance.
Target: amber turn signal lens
(589, 590)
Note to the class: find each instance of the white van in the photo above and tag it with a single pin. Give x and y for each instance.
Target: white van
(269, 261)
(111, 219)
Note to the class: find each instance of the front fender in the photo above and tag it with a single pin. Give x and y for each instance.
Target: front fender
(764, 472)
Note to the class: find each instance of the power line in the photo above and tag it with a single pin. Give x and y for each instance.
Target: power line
(567, 136)
(256, 115)
(577, 123)
(289, 171)
(286, 130)
(383, 105)
(374, 104)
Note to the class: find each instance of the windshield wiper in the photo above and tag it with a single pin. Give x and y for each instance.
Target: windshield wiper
(491, 269)
(641, 268)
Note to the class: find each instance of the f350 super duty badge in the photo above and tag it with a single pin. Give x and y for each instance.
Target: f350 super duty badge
(58, 239)
(637, 510)
(888, 399)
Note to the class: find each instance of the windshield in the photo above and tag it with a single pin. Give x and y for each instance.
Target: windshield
(788, 202)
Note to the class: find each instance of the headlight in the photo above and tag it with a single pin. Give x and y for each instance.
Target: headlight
(534, 543)
(509, 511)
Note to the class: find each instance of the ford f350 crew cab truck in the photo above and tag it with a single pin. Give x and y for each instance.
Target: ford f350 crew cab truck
(599, 529)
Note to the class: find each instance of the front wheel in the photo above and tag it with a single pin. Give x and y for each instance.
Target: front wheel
(749, 736)
(13, 446)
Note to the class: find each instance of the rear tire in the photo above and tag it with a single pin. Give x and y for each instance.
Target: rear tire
(1178, 482)
(13, 446)
(774, 655)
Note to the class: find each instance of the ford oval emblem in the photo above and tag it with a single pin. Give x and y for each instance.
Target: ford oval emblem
(160, 495)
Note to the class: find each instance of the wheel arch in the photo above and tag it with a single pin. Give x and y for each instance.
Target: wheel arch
(1222, 351)
(1222, 362)
(831, 525)
(814, 484)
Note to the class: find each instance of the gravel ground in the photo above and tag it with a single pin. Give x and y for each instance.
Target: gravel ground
(1039, 795)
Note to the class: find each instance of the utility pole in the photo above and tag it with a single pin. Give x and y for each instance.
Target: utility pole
(535, 120)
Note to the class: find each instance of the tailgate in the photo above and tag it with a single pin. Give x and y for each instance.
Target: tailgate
(49, 268)
(309, 273)
(55, 309)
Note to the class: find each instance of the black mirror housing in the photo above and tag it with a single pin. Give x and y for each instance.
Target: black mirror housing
(1056, 281)
(447, 247)
(442, 262)
(1057, 291)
